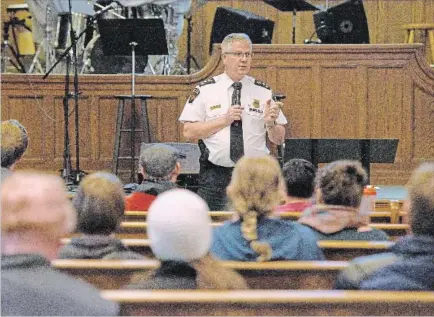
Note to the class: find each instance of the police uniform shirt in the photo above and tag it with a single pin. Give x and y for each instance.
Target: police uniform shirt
(212, 98)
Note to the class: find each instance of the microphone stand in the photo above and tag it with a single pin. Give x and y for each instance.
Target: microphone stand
(69, 175)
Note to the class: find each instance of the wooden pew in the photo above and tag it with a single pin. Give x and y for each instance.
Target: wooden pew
(348, 250)
(137, 229)
(115, 274)
(271, 303)
(382, 216)
(333, 250)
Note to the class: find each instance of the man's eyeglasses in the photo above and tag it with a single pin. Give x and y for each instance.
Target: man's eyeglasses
(239, 54)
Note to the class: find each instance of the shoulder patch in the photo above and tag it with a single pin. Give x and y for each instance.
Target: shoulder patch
(207, 82)
(262, 84)
(193, 95)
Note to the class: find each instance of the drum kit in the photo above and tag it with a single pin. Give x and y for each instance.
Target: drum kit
(91, 58)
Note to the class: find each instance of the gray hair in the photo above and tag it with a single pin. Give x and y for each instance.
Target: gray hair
(159, 161)
(235, 37)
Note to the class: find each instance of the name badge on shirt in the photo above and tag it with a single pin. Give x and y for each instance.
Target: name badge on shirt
(215, 107)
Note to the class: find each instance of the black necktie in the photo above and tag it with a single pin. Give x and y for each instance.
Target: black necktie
(237, 142)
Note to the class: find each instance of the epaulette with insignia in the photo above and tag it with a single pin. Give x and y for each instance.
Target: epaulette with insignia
(193, 95)
(207, 82)
(262, 84)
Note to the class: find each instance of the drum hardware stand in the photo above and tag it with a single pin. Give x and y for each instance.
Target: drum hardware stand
(190, 56)
(15, 51)
(50, 54)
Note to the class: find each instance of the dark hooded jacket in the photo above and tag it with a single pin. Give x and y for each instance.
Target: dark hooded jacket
(97, 247)
(145, 193)
(413, 269)
(288, 240)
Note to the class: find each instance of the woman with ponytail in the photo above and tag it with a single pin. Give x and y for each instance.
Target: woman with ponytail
(339, 189)
(256, 188)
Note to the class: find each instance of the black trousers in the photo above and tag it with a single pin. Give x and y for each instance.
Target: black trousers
(213, 180)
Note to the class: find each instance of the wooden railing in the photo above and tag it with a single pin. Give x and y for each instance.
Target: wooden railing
(333, 250)
(115, 274)
(272, 303)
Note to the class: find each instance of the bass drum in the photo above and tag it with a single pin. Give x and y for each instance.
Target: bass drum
(95, 62)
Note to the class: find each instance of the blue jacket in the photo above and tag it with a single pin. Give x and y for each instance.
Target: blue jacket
(288, 240)
(413, 270)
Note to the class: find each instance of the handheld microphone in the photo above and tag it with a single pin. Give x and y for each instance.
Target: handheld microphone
(236, 98)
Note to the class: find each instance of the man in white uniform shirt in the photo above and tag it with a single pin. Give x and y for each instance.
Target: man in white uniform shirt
(215, 115)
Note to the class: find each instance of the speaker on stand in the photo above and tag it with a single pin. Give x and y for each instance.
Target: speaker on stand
(230, 20)
(345, 23)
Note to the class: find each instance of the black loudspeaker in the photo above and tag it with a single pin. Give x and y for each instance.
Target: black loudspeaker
(230, 20)
(345, 23)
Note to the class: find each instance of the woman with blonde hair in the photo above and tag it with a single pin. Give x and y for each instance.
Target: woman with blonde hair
(256, 188)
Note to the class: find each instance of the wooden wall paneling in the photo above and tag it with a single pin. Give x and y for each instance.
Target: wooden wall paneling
(338, 95)
(423, 124)
(298, 107)
(317, 98)
(107, 112)
(385, 106)
(362, 106)
(26, 109)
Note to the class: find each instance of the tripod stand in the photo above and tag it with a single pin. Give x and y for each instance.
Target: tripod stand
(189, 56)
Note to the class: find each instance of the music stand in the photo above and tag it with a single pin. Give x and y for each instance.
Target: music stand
(328, 150)
(138, 37)
(294, 6)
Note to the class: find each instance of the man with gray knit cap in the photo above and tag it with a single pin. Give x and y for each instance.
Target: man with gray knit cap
(159, 165)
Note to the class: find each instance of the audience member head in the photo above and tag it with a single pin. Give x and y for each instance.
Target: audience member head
(179, 226)
(35, 214)
(256, 188)
(299, 176)
(421, 200)
(99, 203)
(160, 162)
(341, 183)
(13, 144)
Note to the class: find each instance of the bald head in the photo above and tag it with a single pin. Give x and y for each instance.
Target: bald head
(35, 204)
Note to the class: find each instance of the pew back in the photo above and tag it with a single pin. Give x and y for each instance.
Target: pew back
(116, 274)
(272, 303)
(333, 250)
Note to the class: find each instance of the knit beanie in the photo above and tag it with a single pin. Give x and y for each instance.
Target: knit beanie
(179, 226)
